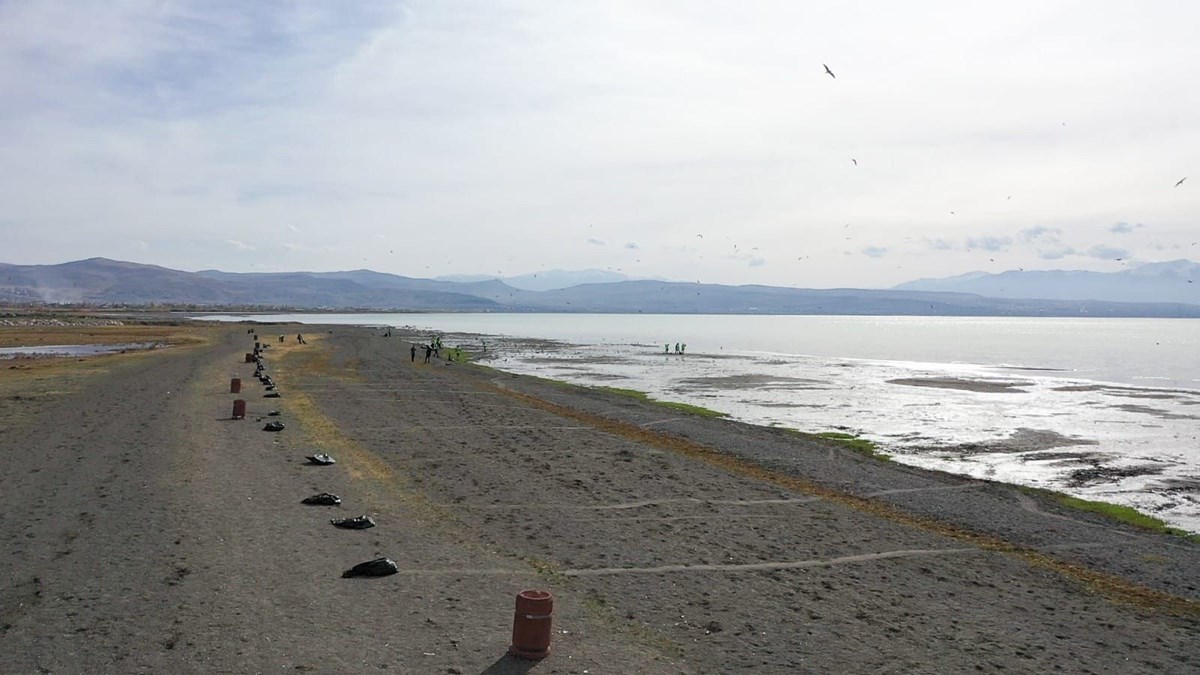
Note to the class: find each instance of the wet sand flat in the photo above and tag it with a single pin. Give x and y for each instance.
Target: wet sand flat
(147, 532)
(985, 386)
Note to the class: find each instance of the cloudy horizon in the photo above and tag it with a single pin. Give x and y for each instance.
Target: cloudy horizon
(692, 141)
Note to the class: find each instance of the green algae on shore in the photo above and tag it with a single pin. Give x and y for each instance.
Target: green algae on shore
(684, 407)
(1123, 514)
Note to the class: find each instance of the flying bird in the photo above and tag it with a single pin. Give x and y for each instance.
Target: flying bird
(854, 160)
(1181, 181)
(829, 71)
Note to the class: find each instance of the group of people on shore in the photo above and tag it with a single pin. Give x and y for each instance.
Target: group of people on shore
(433, 349)
(680, 348)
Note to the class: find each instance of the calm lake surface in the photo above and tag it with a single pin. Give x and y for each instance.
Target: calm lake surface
(1158, 352)
(1104, 409)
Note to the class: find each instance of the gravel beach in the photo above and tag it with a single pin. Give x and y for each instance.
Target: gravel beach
(146, 531)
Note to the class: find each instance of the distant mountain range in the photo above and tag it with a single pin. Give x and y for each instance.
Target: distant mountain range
(547, 280)
(100, 281)
(1175, 281)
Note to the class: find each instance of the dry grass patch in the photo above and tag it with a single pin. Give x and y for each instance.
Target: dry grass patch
(25, 336)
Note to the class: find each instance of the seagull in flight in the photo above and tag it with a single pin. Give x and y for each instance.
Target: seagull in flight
(1181, 181)
(854, 160)
(829, 71)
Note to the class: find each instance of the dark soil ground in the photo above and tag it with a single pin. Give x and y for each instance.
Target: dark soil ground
(145, 531)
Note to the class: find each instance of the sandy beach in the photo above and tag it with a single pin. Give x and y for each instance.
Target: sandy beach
(146, 531)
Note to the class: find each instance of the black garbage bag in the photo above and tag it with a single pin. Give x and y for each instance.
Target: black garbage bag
(273, 426)
(272, 394)
(323, 499)
(274, 413)
(379, 567)
(359, 523)
(322, 459)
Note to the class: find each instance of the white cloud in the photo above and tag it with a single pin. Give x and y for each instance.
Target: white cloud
(1125, 228)
(239, 245)
(500, 124)
(1041, 233)
(989, 243)
(1104, 252)
(1056, 253)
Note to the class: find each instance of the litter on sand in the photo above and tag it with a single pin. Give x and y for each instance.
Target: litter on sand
(359, 523)
(379, 567)
(273, 426)
(271, 394)
(323, 499)
(322, 459)
(274, 413)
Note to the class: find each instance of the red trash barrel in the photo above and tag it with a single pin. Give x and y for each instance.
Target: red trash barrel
(235, 385)
(239, 409)
(531, 625)
(249, 357)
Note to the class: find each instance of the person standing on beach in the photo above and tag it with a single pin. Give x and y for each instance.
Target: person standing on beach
(428, 352)
(667, 348)
(412, 352)
(683, 349)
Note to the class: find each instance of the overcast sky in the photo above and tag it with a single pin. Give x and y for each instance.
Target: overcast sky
(692, 140)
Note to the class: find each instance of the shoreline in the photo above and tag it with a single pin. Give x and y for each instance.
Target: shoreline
(1069, 459)
(672, 542)
(1089, 469)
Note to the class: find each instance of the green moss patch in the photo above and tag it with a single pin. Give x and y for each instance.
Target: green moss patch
(682, 407)
(856, 443)
(1123, 514)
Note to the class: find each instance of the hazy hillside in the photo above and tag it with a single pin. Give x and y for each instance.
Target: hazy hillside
(99, 280)
(546, 280)
(1175, 281)
(102, 281)
(691, 298)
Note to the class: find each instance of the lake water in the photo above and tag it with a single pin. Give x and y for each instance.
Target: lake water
(1105, 409)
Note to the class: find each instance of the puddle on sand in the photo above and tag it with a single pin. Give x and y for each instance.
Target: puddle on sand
(73, 350)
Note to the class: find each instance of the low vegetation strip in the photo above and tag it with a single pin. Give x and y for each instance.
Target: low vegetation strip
(1110, 586)
(1124, 514)
(674, 405)
(856, 443)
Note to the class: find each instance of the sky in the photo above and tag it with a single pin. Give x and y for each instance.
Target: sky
(693, 140)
